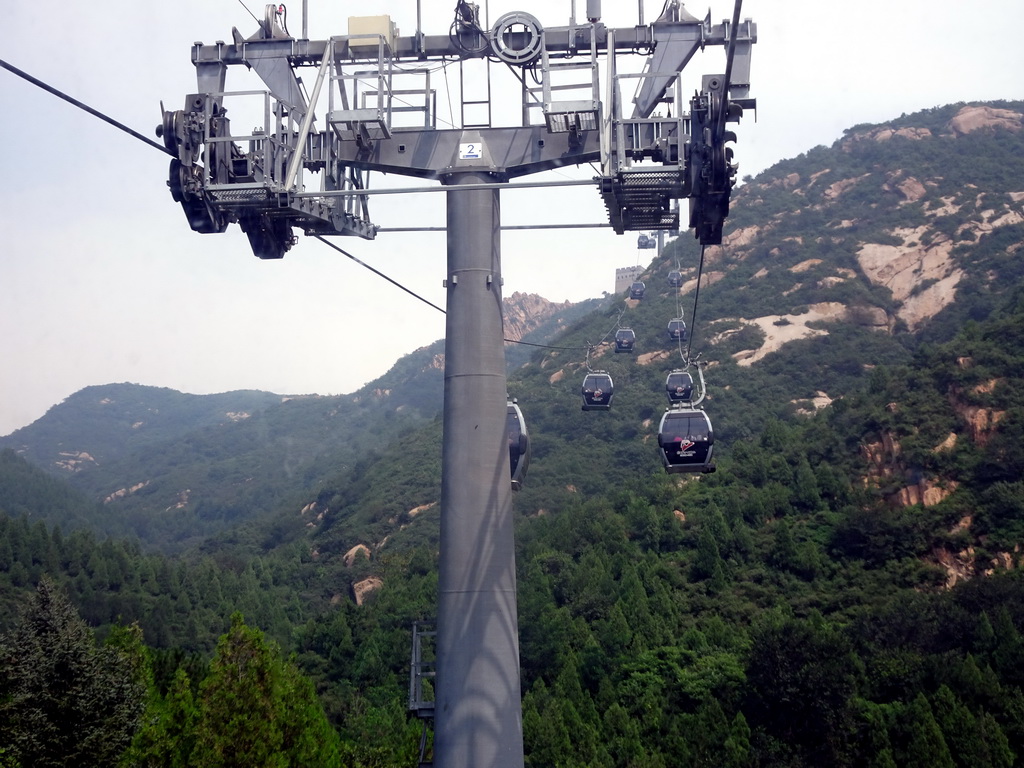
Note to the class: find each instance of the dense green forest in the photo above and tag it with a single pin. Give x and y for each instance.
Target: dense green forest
(845, 590)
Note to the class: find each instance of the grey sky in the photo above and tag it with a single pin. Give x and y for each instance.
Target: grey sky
(101, 279)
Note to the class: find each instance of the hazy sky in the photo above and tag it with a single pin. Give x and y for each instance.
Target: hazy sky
(102, 280)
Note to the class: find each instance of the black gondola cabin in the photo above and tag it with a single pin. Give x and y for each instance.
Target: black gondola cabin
(518, 445)
(677, 329)
(675, 278)
(597, 391)
(679, 386)
(636, 290)
(686, 440)
(625, 339)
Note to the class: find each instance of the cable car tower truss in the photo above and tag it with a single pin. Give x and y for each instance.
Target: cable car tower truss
(381, 116)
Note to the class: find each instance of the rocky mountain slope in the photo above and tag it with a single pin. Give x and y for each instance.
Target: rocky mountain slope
(917, 259)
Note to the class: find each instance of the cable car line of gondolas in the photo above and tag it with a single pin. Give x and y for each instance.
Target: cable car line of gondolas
(598, 388)
(686, 438)
(685, 435)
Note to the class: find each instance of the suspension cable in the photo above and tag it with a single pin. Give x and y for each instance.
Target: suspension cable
(250, 12)
(733, 30)
(696, 298)
(87, 108)
(135, 134)
(377, 272)
(429, 303)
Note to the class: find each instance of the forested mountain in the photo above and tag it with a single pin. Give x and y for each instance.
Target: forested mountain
(174, 468)
(844, 590)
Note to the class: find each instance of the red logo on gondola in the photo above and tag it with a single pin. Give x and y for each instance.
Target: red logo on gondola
(685, 445)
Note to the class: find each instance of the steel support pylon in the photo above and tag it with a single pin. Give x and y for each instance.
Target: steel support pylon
(477, 710)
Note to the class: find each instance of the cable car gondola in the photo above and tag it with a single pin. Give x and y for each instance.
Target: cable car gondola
(597, 391)
(518, 445)
(677, 329)
(675, 278)
(645, 242)
(636, 290)
(679, 386)
(686, 440)
(625, 339)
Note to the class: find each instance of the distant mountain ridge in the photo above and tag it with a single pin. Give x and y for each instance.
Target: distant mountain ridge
(215, 459)
(106, 422)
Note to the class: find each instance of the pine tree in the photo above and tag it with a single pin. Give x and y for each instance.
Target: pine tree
(784, 552)
(926, 746)
(168, 733)
(256, 709)
(876, 748)
(544, 738)
(997, 747)
(805, 493)
(708, 562)
(64, 701)
(737, 744)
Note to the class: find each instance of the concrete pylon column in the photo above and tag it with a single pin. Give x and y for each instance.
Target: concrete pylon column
(477, 708)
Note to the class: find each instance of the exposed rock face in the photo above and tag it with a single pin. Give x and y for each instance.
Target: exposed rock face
(312, 510)
(707, 279)
(837, 188)
(980, 421)
(975, 118)
(356, 551)
(885, 133)
(881, 457)
(959, 566)
(122, 492)
(925, 492)
(181, 500)
(363, 589)
(740, 237)
(803, 266)
(1002, 561)
(787, 182)
(919, 265)
(884, 459)
(904, 268)
(811, 405)
(963, 565)
(780, 329)
(911, 189)
(421, 508)
(72, 461)
(653, 357)
(525, 312)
